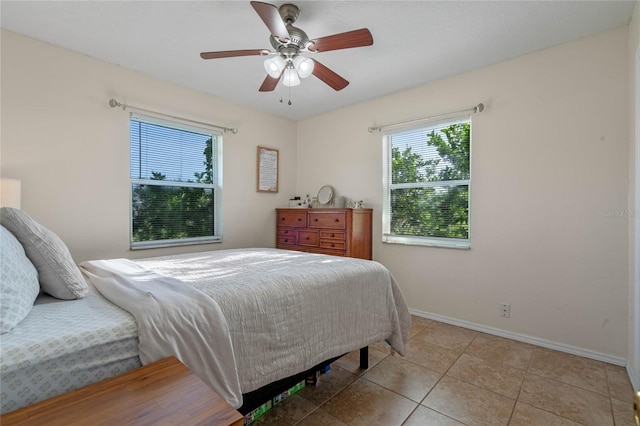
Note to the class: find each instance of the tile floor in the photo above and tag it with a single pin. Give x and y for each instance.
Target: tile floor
(455, 376)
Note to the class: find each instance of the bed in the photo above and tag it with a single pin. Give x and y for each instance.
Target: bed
(247, 321)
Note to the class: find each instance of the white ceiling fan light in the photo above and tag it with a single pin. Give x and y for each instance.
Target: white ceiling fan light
(274, 66)
(303, 65)
(290, 77)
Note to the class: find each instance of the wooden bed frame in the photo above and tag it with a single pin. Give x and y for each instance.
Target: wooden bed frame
(256, 398)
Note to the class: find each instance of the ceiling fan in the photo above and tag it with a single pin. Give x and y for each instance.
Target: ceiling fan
(286, 61)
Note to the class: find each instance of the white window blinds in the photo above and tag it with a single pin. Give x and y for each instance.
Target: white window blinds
(174, 183)
(426, 184)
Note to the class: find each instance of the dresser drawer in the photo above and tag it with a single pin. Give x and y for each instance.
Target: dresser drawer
(308, 238)
(295, 219)
(334, 220)
(332, 235)
(286, 232)
(333, 245)
(286, 240)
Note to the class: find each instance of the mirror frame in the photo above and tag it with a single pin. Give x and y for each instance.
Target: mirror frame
(325, 193)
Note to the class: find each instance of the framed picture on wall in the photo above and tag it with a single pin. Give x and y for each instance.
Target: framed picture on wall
(267, 165)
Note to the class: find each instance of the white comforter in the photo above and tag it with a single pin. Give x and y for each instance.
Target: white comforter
(274, 312)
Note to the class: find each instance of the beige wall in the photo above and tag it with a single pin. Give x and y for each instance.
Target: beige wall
(71, 150)
(550, 175)
(549, 183)
(634, 200)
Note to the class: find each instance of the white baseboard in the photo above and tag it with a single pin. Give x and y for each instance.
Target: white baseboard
(529, 339)
(634, 376)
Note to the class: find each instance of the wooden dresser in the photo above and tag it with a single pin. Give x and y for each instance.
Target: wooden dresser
(340, 232)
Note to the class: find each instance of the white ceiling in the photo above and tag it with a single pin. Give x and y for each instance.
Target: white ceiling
(414, 41)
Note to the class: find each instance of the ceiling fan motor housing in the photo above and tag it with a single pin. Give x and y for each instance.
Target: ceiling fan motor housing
(298, 40)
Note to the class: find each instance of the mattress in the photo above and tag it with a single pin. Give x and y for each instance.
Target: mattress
(63, 345)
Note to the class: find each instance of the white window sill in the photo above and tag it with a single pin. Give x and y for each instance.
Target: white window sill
(174, 243)
(428, 241)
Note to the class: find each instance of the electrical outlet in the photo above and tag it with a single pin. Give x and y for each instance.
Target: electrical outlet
(505, 310)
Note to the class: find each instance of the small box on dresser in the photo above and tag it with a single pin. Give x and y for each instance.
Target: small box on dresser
(339, 232)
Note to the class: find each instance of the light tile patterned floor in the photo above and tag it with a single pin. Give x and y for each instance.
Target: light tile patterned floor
(455, 376)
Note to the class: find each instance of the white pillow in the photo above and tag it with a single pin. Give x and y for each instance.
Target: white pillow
(19, 287)
(57, 272)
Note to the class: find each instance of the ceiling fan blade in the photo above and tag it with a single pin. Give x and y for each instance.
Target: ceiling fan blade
(232, 53)
(272, 19)
(269, 84)
(355, 38)
(331, 78)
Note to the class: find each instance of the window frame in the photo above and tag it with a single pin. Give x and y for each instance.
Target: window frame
(216, 186)
(388, 186)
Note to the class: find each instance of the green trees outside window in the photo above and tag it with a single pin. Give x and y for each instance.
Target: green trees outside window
(170, 212)
(429, 182)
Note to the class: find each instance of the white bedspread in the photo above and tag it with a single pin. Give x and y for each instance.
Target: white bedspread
(173, 319)
(285, 311)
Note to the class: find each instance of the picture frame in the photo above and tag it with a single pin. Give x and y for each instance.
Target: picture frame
(267, 169)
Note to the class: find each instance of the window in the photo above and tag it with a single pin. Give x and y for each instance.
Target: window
(426, 183)
(175, 183)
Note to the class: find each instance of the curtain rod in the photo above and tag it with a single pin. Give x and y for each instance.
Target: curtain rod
(475, 109)
(113, 104)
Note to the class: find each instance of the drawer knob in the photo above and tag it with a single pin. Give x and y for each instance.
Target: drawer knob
(331, 245)
(333, 235)
(307, 238)
(315, 220)
(282, 218)
(337, 220)
(299, 219)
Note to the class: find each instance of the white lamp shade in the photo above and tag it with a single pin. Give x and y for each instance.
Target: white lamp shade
(290, 77)
(274, 66)
(10, 192)
(304, 66)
